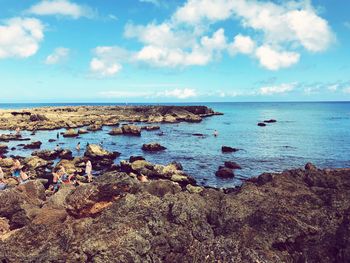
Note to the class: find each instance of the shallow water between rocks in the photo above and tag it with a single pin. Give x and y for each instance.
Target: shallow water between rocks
(304, 132)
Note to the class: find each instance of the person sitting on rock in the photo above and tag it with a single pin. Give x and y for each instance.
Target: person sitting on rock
(60, 177)
(16, 170)
(88, 171)
(2, 180)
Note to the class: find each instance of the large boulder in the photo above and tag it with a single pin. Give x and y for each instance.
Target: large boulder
(38, 117)
(153, 147)
(37, 167)
(116, 131)
(228, 149)
(225, 172)
(33, 145)
(47, 154)
(71, 133)
(132, 130)
(100, 158)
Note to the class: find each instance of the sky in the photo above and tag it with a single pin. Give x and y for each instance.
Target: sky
(174, 51)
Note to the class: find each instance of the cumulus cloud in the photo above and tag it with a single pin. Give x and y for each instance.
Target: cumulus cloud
(178, 93)
(59, 54)
(107, 60)
(273, 59)
(60, 8)
(20, 37)
(278, 31)
(241, 44)
(277, 89)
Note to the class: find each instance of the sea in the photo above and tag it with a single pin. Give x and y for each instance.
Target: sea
(317, 132)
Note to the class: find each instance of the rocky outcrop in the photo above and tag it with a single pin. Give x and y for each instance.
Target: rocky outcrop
(296, 216)
(116, 131)
(153, 147)
(100, 158)
(95, 117)
(33, 145)
(3, 149)
(228, 149)
(150, 128)
(12, 137)
(232, 165)
(225, 172)
(46, 154)
(71, 133)
(132, 130)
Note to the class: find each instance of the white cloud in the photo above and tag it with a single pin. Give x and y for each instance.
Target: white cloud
(20, 37)
(277, 89)
(333, 87)
(60, 8)
(59, 54)
(346, 90)
(241, 44)
(191, 37)
(107, 61)
(178, 93)
(273, 59)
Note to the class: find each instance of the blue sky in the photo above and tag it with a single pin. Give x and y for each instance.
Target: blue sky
(174, 51)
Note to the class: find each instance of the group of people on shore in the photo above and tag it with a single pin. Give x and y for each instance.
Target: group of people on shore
(59, 175)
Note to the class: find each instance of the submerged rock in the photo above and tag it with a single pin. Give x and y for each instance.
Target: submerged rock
(150, 128)
(153, 147)
(225, 172)
(227, 149)
(33, 145)
(270, 121)
(261, 124)
(232, 165)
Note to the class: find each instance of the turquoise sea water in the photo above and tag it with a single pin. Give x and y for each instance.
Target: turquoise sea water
(304, 132)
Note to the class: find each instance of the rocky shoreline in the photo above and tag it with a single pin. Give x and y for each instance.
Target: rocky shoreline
(51, 118)
(300, 215)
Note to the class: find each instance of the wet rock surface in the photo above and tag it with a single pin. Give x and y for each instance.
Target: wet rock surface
(153, 147)
(296, 216)
(50, 118)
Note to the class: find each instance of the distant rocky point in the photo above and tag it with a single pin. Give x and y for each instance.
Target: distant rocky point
(51, 118)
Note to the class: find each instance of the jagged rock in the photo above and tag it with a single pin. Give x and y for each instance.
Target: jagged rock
(136, 158)
(232, 165)
(47, 154)
(227, 149)
(37, 166)
(33, 145)
(71, 133)
(116, 131)
(150, 128)
(38, 117)
(131, 130)
(94, 127)
(100, 158)
(66, 154)
(75, 166)
(282, 220)
(153, 147)
(224, 172)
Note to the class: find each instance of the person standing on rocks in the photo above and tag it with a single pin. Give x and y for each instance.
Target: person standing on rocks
(23, 177)
(2, 180)
(88, 171)
(58, 135)
(78, 147)
(18, 132)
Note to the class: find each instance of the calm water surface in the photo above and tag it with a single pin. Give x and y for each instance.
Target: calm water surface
(316, 132)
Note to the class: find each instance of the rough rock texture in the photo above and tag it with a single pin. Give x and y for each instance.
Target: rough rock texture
(153, 147)
(50, 118)
(33, 145)
(296, 216)
(100, 158)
